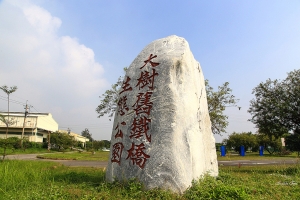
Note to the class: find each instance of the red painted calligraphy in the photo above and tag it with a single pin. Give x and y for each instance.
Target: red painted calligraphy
(153, 64)
(122, 106)
(117, 152)
(119, 132)
(143, 104)
(140, 127)
(146, 79)
(137, 155)
(141, 123)
(126, 86)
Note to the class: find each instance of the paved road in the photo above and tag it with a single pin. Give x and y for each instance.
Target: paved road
(22, 157)
(78, 163)
(260, 162)
(71, 163)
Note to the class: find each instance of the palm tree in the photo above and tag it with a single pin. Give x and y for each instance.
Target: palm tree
(8, 91)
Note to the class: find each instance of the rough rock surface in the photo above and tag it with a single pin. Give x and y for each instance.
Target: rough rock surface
(162, 130)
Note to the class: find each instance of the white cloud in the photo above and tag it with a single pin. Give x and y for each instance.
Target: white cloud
(41, 20)
(55, 73)
(33, 50)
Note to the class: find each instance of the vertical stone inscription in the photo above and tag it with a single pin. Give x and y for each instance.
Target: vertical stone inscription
(141, 122)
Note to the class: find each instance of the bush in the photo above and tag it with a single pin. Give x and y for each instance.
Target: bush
(208, 187)
(283, 152)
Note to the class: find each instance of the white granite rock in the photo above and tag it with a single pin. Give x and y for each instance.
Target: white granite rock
(162, 130)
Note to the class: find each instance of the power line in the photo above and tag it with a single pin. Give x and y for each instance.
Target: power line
(98, 124)
(68, 125)
(18, 97)
(83, 127)
(5, 98)
(44, 118)
(105, 125)
(11, 100)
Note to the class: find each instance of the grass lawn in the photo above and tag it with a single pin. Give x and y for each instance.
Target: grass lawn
(103, 156)
(254, 156)
(26, 151)
(47, 180)
(98, 156)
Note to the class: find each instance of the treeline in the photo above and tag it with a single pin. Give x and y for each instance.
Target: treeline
(251, 142)
(275, 109)
(63, 141)
(14, 143)
(275, 112)
(58, 141)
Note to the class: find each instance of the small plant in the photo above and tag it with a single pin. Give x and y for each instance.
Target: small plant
(283, 152)
(210, 188)
(100, 156)
(48, 180)
(7, 144)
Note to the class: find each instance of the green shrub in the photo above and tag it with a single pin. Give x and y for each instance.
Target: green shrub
(50, 180)
(210, 188)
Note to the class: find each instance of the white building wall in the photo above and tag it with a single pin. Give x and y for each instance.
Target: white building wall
(41, 122)
(10, 135)
(76, 136)
(46, 122)
(19, 120)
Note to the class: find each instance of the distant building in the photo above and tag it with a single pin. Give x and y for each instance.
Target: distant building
(77, 137)
(37, 126)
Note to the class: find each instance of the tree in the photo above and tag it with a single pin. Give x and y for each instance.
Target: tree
(62, 140)
(6, 122)
(292, 142)
(246, 139)
(270, 142)
(98, 144)
(89, 146)
(8, 143)
(218, 146)
(8, 91)
(109, 99)
(276, 107)
(217, 102)
(86, 133)
(106, 144)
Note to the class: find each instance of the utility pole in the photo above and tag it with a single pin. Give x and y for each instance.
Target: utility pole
(8, 91)
(25, 115)
(49, 144)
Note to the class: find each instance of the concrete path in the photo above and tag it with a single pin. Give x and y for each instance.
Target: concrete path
(22, 157)
(260, 162)
(71, 163)
(80, 163)
(101, 164)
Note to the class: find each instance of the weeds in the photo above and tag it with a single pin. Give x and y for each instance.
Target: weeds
(98, 156)
(47, 180)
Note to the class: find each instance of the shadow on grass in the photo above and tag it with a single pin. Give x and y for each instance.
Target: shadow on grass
(94, 177)
(273, 169)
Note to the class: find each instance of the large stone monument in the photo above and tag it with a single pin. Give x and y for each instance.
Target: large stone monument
(162, 130)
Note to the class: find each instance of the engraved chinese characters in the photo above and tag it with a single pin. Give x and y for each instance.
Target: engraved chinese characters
(141, 121)
(162, 132)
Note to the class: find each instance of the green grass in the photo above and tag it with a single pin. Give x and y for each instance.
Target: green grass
(11, 151)
(255, 156)
(98, 156)
(47, 180)
(104, 156)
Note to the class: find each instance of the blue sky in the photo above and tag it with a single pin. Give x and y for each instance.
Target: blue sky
(64, 54)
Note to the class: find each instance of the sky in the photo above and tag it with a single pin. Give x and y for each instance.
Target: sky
(63, 54)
